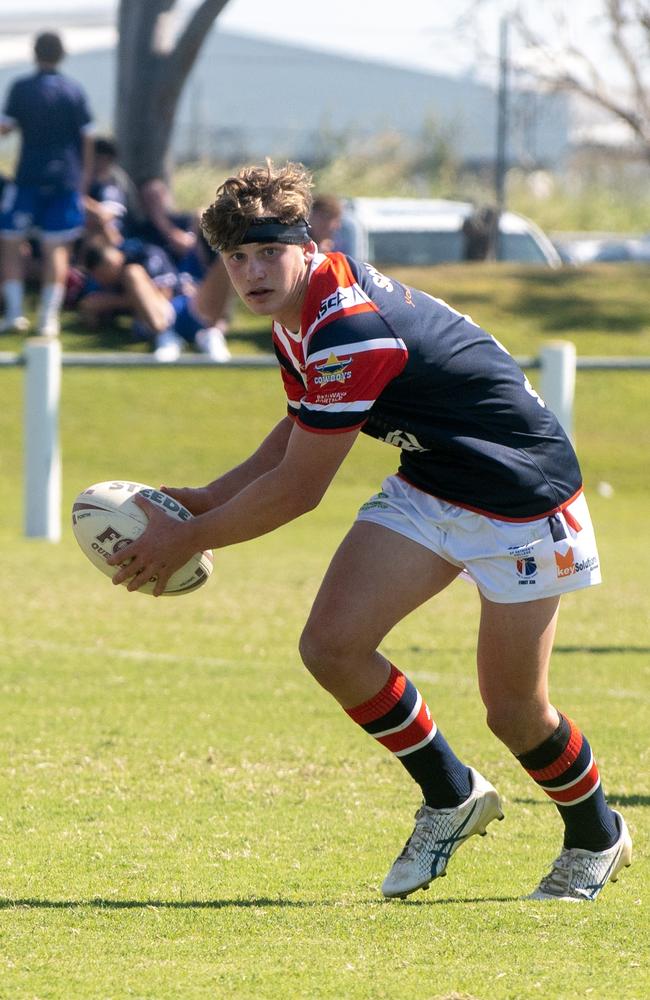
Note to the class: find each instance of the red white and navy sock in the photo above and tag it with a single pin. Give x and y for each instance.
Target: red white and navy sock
(564, 766)
(400, 720)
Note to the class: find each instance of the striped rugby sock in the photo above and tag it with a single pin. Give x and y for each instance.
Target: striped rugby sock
(564, 766)
(400, 720)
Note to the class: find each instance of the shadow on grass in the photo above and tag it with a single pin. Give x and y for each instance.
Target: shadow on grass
(436, 901)
(566, 299)
(573, 313)
(224, 904)
(612, 799)
(595, 650)
(151, 904)
(601, 649)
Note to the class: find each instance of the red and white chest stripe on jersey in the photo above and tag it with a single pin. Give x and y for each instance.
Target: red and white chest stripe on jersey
(332, 292)
(290, 345)
(334, 387)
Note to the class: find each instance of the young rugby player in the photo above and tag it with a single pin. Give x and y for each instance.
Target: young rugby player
(488, 485)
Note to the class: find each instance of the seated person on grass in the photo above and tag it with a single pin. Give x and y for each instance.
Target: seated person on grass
(168, 309)
(111, 202)
(163, 224)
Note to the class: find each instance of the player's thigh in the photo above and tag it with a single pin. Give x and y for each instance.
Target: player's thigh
(149, 301)
(375, 579)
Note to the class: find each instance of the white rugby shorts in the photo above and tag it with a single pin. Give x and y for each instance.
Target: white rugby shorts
(509, 561)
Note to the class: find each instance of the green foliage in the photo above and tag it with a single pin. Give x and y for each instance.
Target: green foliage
(622, 206)
(579, 198)
(186, 814)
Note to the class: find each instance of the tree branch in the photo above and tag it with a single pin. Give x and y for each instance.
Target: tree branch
(189, 42)
(136, 20)
(619, 22)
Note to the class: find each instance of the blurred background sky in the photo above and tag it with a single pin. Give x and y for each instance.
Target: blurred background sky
(408, 33)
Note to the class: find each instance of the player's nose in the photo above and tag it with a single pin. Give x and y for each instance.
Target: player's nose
(256, 269)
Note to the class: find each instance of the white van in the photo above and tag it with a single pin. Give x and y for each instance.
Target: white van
(422, 231)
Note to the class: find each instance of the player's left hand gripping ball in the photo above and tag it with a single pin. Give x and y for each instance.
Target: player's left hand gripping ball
(105, 519)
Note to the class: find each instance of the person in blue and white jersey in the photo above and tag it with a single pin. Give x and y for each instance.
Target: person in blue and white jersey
(111, 202)
(51, 112)
(169, 309)
(488, 486)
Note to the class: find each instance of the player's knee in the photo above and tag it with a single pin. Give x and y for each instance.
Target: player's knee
(323, 649)
(503, 720)
(315, 649)
(515, 721)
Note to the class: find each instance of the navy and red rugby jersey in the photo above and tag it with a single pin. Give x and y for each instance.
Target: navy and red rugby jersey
(408, 369)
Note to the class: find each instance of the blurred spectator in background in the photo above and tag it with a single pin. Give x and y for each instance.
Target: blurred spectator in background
(169, 309)
(163, 224)
(54, 166)
(325, 221)
(105, 292)
(480, 231)
(111, 203)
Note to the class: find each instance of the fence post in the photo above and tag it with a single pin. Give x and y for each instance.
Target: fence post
(41, 446)
(558, 380)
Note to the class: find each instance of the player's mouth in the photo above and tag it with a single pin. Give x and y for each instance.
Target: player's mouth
(259, 294)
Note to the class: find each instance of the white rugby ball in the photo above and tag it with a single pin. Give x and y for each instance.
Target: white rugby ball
(105, 519)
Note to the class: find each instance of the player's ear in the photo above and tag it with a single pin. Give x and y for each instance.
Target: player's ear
(308, 250)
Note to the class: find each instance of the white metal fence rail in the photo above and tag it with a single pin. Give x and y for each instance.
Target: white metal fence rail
(43, 361)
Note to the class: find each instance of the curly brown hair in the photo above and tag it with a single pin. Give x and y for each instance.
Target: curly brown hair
(282, 192)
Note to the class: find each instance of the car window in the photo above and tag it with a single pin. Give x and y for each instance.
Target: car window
(416, 248)
(521, 247)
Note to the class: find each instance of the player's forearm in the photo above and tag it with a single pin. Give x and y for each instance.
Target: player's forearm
(88, 160)
(272, 500)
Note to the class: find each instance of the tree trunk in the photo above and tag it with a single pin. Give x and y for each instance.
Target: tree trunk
(152, 67)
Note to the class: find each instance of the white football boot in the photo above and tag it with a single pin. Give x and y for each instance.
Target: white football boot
(167, 347)
(212, 342)
(52, 328)
(437, 834)
(578, 875)
(14, 324)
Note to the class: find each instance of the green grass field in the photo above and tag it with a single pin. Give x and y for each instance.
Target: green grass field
(184, 814)
(603, 308)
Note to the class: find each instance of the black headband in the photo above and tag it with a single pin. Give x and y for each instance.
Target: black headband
(271, 230)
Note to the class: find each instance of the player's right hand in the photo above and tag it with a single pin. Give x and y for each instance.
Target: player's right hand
(198, 500)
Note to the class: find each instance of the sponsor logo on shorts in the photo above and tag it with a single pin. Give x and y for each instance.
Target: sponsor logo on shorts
(567, 566)
(521, 551)
(526, 569)
(375, 503)
(333, 370)
(564, 563)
